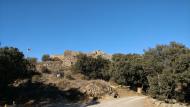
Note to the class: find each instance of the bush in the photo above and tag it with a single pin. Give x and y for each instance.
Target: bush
(69, 77)
(13, 65)
(95, 68)
(167, 66)
(46, 57)
(163, 72)
(128, 70)
(32, 60)
(45, 70)
(118, 72)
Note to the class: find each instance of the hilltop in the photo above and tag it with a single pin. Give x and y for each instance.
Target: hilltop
(84, 78)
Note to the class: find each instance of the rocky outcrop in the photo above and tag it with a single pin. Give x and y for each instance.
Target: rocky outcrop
(157, 103)
(98, 88)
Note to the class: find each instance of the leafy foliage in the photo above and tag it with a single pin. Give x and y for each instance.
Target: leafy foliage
(46, 57)
(32, 60)
(163, 72)
(128, 70)
(92, 67)
(13, 65)
(166, 65)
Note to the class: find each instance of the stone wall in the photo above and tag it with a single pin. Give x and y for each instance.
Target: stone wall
(68, 58)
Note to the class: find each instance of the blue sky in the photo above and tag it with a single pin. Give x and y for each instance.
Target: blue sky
(114, 26)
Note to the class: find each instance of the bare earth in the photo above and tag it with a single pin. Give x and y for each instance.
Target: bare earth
(135, 101)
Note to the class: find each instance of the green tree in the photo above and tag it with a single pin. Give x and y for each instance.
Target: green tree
(95, 68)
(118, 72)
(165, 65)
(32, 60)
(13, 65)
(46, 57)
(128, 70)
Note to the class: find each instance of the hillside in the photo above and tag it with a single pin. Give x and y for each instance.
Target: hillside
(162, 73)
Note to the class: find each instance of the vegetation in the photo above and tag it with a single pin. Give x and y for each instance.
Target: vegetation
(163, 72)
(13, 65)
(32, 60)
(46, 57)
(128, 70)
(45, 70)
(94, 68)
(168, 66)
(19, 85)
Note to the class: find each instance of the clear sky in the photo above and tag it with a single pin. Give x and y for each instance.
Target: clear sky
(114, 26)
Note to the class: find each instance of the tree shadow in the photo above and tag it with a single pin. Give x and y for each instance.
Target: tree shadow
(36, 93)
(93, 101)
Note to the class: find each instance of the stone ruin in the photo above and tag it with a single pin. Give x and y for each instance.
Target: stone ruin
(99, 53)
(70, 57)
(60, 62)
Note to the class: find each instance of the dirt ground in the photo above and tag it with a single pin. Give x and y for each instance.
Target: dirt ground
(77, 81)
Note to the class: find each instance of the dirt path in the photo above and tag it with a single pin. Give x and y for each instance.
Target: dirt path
(135, 101)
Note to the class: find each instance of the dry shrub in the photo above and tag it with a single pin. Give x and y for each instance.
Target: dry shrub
(98, 88)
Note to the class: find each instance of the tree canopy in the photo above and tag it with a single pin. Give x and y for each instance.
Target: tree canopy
(13, 65)
(163, 72)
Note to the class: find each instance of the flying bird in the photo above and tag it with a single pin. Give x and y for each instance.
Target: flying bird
(29, 49)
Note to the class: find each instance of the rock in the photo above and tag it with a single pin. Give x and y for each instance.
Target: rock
(98, 88)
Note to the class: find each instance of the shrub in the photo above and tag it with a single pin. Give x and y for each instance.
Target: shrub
(32, 60)
(167, 66)
(46, 57)
(13, 65)
(45, 70)
(95, 68)
(128, 70)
